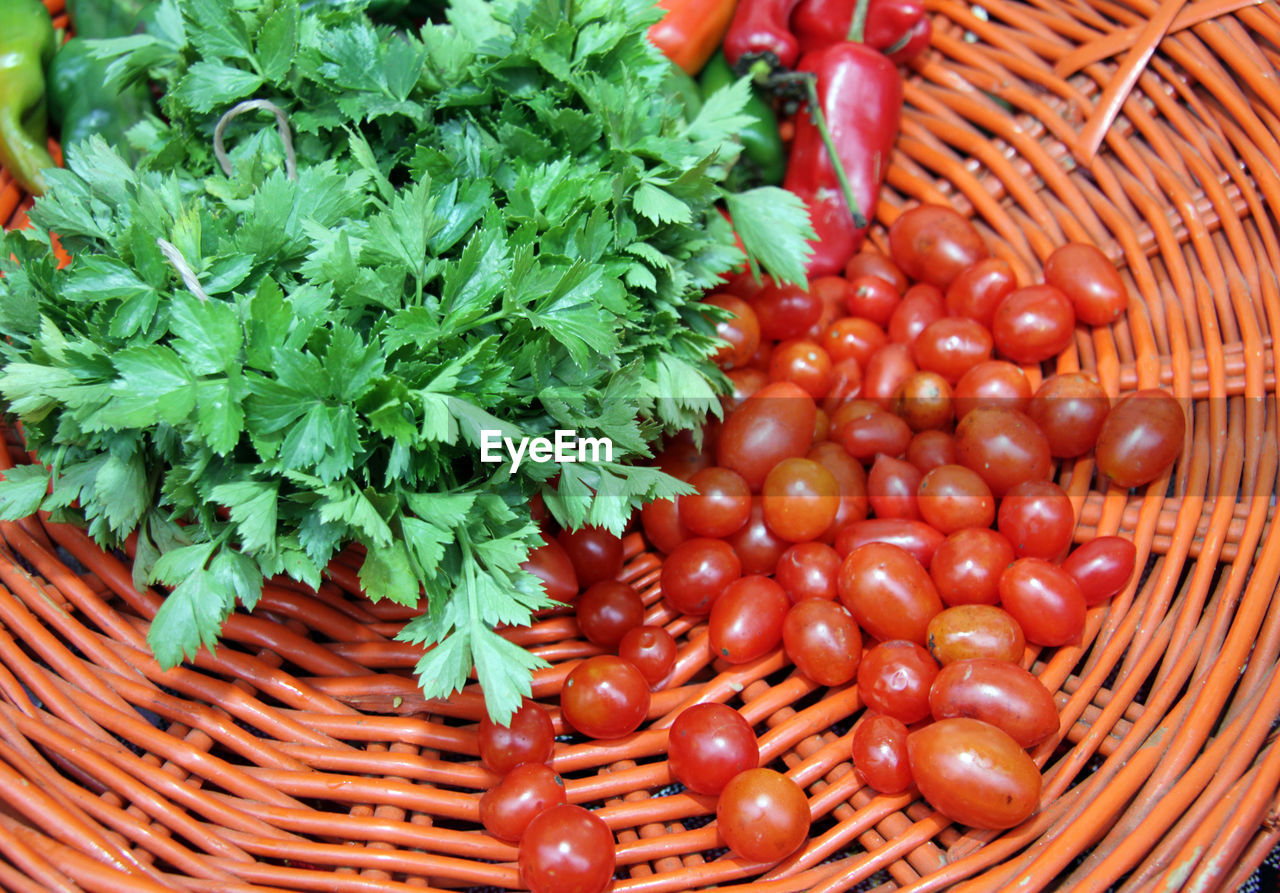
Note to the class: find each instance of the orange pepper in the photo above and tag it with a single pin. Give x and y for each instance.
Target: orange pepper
(692, 30)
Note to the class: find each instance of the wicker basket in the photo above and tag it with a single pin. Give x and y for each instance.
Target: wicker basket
(302, 756)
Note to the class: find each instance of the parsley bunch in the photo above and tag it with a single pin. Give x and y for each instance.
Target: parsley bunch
(500, 222)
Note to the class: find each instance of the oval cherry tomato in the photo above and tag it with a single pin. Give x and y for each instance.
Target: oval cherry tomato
(974, 773)
(978, 289)
(608, 610)
(879, 432)
(880, 753)
(550, 563)
(1070, 408)
(567, 849)
(917, 538)
(708, 744)
(741, 331)
(1045, 600)
(681, 459)
(1037, 519)
(763, 815)
(888, 592)
(802, 363)
(800, 499)
(1004, 446)
(952, 497)
(785, 311)
(651, 649)
(524, 792)
(775, 423)
(1093, 284)
(870, 297)
(528, 737)
(966, 632)
(921, 305)
(885, 371)
(846, 383)
(933, 243)
(850, 477)
(1141, 437)
(755, 544)
(952, 346)
(853, 338)
(992, 383)
(605, 697)
(891, 488)
(924, 400)
(1102, 567)
(831, 291)
(894, 679)
(873, 263)
(721, 505)
(998, 692)
(822, 640)
(745, 382)
(660, 520)
(929, 449)
(696, 572)
(967, 566)
(595, 552)
(808, 570)
(746, 620)
(1033, 324)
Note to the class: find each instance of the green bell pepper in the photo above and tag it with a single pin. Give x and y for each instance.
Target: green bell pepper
(761, 143)
(26, 46)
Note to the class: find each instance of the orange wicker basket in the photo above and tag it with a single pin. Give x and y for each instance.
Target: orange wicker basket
(302, 756)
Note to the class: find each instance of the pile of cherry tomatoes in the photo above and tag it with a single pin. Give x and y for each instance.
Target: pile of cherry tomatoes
(877, 501)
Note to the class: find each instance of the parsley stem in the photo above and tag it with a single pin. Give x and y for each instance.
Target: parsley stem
(820, 121)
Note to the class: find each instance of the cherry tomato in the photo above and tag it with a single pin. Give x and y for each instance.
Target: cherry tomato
(880, 432)
(992, 383)
(803, 363)
(528, 737)
(846, 412)
(951, 346)
(800, 499)
(741, 331)
(1070, 408)
(662, 526)
(929, 449)
(822, 640)
(808, 570)
(763, 815)
(967, 566)
(853, 338)
(952, 497)
(888, 592)
(921, 305)
(760, 359)
(696, 572)
(755, 544)
(775, 423)
(745, 382)
(746, 285)
(880, 753)
(885, 371)
(870, 297)
(1093, 284)
(605, 697)
(974, 773)
(567, 849)
(607, 610)
(873, 263)
(924, 401)
(891, 488)
(746, 620)
(1045, 600)
(998, 692)
(523, 793)
(917, 538)
(1004, 446)
(850, 477)
(831, 291)
(966, 632)
(550, 563)
(1141, 437)
(1033, 324)
(846, 383)
(933, 243)
(681, 459)
(978, 289)
(1102, 567)
(651, 649)
(894, 679)
(708, 744)
(595, 552)
(1037, 518)
(785, 311)
(721, 505)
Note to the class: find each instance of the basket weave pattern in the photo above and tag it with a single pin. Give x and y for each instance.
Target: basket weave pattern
(301, 756)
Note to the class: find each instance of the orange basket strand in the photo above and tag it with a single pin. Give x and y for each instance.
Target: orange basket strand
(301, 756)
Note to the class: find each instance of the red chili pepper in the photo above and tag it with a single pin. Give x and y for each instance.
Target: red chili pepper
(891, 25)
(761, 29)
(691, 30)
(859, 91)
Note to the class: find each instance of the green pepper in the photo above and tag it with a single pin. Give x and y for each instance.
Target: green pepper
(761, 143)
(26, 46)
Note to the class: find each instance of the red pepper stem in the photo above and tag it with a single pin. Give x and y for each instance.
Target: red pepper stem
(858, 24)
(820, 121)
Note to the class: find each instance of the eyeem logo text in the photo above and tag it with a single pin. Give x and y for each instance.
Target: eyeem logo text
(565, 447)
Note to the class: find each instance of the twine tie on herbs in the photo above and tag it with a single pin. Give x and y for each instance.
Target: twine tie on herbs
(282, 122)
(179, 263)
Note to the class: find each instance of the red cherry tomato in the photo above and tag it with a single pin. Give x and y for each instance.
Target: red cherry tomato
(746, 620)
(681, 459)
(660, 520)
(853, 338)
(1038, 520)
(1093, 284)
(924, 401)
(967, 632)
(917, 538)
(870, 297)
(888, 592)
(595, 552)
(934, 243)
(846, 383)
(831, 291)
(884, 372)
(775, 423)
(822, 640)
(873, 263)
(891, 488)
(1004, 446)
(763, 815)
(721, 505)
(800, 499)
(879, 432)
(745, 381)
(741, 331)
(978, 289)
(850, 477)
(802, 363)
(1141, 437)
(920, 306)
(952, 497)
(550, 563)
(974, 773)
(785, 311)
(524, 793)
(696, 572)
(1033, 324)
(967, 566)
(567, 849)
(1070, 408)
(808, 570)
(708, 744)
(608, 610)
(998, 692)
(894, 679)
(1102, 567)
(929, 449)
(1045, 600)
(951, 346)
(528, 737)
(605, 697)
(651, 649)
(992, 383)
(758, 548)
(880, 753)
